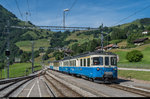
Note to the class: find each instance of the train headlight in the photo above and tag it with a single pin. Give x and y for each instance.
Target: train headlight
(98, 69)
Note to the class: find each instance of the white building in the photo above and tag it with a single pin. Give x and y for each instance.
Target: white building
(145, 32)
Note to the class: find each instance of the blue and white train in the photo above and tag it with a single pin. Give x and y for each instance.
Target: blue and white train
(96, 65)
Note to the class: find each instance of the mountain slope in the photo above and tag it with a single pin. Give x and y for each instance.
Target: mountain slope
(16, 35)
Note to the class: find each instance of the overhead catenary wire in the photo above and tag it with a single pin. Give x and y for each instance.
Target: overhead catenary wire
(132, 15)
(73, 4)
(62, 4)
(19, 9)
(28, 8)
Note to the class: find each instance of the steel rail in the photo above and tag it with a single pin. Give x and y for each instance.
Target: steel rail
(15, 88)
(94, 92)
(129, 89)
(60, 93)
(7, 90)
(66, 87)
(53, 95)
(5, 81)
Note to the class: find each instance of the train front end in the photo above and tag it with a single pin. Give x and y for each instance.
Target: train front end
(106, 67)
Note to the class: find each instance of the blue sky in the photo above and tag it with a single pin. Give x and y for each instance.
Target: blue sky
(84, 13)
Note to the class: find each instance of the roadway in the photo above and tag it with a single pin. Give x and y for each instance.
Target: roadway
(135, 69)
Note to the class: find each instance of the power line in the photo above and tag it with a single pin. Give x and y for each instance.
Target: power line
(28, 7)
(73, 4)
(132, 14)
(19, 9)
(62, 3)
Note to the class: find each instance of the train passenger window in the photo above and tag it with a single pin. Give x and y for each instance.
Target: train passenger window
(71, 64)
(74, 63)
(114, 61)
(101, 60)
(106, 60)
(88, 62)
(81, 62)
(84, 62)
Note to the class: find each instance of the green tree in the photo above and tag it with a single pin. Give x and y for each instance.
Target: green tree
(45, 57)
(58, 55)
(133, 37)
(134, 56)
(25, 57)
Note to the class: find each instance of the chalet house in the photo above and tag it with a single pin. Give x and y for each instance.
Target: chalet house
(17, 60)
(108, 47)
(111, 46)
(97, 48)
(145, 32)
(139, 41)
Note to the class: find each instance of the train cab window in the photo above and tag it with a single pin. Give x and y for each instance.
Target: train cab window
(84, 62)
(114, 61)
(81, 62)
(106, 60)
(88, 62)
(97, 60)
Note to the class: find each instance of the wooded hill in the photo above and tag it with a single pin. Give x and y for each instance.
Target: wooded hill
(77, 41)
(16, 35)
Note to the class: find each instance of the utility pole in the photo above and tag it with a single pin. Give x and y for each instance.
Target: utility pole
(102, 38)
(7, 52)
(32, 56)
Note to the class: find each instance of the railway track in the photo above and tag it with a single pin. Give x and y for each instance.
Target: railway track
(84, 90)
(136, 90)
(8, 89)
(9, 86)
(59, 89)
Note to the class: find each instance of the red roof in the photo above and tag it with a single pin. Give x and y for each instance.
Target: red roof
(110, 45)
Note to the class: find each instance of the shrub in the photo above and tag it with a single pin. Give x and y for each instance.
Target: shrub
(134, 56)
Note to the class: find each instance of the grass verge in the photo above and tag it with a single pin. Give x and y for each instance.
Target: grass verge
(140, 75)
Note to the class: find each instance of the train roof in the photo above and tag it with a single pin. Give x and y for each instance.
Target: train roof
(87, 54)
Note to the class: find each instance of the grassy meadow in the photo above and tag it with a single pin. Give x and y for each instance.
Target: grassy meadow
(19, 69)
(123, 62)
(27, 45)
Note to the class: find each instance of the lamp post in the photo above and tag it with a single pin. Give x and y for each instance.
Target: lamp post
(64, 16)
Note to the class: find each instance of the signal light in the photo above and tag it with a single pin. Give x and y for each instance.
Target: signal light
(7, 53)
